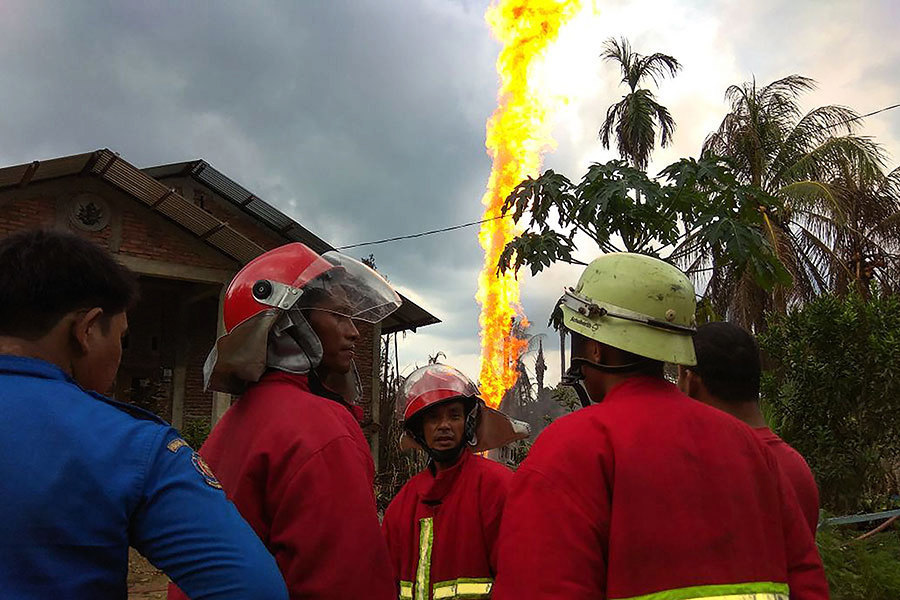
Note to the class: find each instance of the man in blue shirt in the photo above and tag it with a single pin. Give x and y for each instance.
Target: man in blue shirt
(83, 477)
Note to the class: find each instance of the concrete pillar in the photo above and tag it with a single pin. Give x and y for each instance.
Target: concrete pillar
(179, 370)
(179, 385)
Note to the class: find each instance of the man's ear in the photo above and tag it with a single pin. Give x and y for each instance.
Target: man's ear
(85, 326)
(595, 351)
(693, 385)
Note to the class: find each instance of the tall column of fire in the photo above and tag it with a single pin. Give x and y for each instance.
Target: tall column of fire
(518, 133)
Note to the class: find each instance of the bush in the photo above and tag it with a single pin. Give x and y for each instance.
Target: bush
(868, 569)
(832, 390)
(397, 468)
(195, 432)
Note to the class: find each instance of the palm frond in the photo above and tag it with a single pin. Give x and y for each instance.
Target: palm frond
(666, 124)
(635, 127)
(828, 159)
(634, 119)
(613, 114)
(619, 51)
(812, 130)
(801, 193)
(656, 66)
(792, 85)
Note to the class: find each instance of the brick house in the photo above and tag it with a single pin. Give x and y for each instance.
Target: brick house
(186, 229)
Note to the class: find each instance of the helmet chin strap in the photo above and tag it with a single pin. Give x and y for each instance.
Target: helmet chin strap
(438, 456)
(574, 378)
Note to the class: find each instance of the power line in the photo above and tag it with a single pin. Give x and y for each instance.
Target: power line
(418, 235)
(858, 117)
(473, 223)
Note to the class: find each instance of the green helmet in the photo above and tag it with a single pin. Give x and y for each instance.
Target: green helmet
(635, 303)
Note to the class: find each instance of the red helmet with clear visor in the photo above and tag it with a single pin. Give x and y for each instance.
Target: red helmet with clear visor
(432, 385)
(267, 297)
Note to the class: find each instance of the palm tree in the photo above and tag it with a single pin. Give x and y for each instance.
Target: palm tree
(867, 242)
(815, 173)
(635, 118)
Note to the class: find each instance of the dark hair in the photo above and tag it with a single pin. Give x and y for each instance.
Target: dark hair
(728, 362)
(46, 274)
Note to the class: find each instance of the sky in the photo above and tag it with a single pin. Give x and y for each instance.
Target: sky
(366, 119)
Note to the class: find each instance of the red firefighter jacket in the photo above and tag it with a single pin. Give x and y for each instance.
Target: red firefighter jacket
(299, 470)
(797, 472)
(651, 495)
(442, 530)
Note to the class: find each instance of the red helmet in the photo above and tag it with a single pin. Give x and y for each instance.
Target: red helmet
(432, 385)
(254, 287)
(293, 275)
(276, 286)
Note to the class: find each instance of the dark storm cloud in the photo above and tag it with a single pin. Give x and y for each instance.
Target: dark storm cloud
(360, 119)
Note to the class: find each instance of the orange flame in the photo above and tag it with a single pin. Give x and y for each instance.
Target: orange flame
(518, 133)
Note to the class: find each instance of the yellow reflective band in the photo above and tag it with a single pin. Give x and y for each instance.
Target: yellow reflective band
(463, 588)
(763, 590)
(423, 570)
(406, 588)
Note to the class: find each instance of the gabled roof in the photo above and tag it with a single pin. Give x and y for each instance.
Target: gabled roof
(409, 316)
(204, 173)
(109, 167)
(143, 185)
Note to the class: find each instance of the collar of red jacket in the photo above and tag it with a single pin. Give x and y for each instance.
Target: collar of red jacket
(304, 383)
(433, 487)
(641, 384)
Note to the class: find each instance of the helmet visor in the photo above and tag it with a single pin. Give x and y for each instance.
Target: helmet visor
(351, 289)
(432, 384)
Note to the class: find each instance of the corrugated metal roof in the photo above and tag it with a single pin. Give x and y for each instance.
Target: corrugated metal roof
(410, 316)
(41, 170)
(242, 198)
(219, 182)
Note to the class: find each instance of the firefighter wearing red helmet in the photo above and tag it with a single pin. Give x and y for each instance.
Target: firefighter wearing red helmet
(442, 526)
(290, 453)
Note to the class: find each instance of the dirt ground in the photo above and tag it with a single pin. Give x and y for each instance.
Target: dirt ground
(144, 581)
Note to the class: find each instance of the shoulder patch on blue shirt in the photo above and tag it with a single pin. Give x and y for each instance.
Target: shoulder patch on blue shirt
(205, 471)
(176, 445)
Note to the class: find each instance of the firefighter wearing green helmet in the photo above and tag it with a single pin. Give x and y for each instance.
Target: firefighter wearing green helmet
(646, 494)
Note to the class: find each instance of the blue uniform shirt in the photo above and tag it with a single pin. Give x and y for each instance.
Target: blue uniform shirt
(82, 477)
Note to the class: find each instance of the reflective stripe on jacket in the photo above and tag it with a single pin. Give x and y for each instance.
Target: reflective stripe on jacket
(442, 530)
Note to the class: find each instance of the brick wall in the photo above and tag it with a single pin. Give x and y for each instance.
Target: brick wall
(134, 229)
(151, 236)
(27, 213)
(364, 356)
(201, 334)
